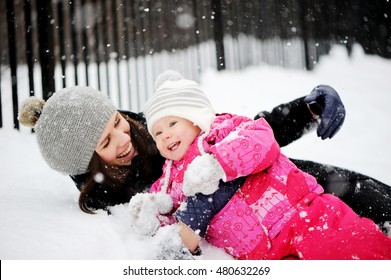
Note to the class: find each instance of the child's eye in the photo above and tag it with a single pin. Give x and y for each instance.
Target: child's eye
(158, 133)
(173, 123)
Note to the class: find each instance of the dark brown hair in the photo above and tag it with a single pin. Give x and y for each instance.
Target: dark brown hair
(119, 179)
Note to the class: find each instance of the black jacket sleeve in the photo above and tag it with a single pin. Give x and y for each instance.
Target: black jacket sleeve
(289, 121)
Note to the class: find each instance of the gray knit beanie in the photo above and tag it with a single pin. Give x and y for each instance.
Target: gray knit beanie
(177, 96)
(68, 126)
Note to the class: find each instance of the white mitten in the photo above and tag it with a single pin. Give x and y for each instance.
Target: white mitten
(202, 175)
(163, 202)
(144, 209)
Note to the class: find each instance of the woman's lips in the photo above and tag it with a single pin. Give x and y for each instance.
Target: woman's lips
(128, 154)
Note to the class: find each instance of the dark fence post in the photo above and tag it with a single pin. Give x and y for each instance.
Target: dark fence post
(29, 44)
(114, 17)
(305, 14)
(97, 40)
(197, 34)
(86, 56)
(46, 48)
(75, 53)
(12, 59)
(106, 47)
(62, 41)
(1, 106)
(136, 53)
(126, 46)
(218, 31)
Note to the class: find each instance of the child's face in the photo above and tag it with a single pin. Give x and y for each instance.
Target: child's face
(173, 136)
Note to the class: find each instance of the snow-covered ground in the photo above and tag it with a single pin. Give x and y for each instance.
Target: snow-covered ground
(39, 215)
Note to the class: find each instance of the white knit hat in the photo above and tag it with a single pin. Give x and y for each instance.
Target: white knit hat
(176, 96)
(68, 126)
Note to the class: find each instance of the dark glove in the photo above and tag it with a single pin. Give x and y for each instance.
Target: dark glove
(200, 209)
(325, 102)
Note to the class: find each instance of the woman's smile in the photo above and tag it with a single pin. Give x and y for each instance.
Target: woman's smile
(115, 145)
(127, 155)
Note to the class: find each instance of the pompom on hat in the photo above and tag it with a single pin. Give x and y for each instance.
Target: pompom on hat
(177, 96)
(68, 126)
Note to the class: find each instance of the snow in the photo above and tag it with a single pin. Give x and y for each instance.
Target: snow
(39, 214)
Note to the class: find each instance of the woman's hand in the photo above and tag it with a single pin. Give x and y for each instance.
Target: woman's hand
(325, 102)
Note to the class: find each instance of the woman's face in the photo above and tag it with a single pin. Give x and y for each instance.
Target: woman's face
(115, 146)
(173, 136)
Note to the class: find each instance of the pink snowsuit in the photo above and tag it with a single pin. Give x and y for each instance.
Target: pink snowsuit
(280, 211)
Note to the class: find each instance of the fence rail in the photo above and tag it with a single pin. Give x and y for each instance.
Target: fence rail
(120, 46)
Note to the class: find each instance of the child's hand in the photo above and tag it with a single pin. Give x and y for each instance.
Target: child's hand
(202, 175)
(144, 209)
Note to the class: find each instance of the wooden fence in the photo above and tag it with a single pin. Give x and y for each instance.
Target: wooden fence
(120, 46)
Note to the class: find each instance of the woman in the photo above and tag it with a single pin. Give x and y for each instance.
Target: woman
(78, 127)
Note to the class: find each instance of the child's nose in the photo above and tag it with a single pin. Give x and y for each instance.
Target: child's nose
(166, 135)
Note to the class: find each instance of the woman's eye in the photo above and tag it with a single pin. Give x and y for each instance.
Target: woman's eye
(106, 144)
(117, 121)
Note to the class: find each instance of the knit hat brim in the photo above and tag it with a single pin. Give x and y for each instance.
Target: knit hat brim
(182, 98)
